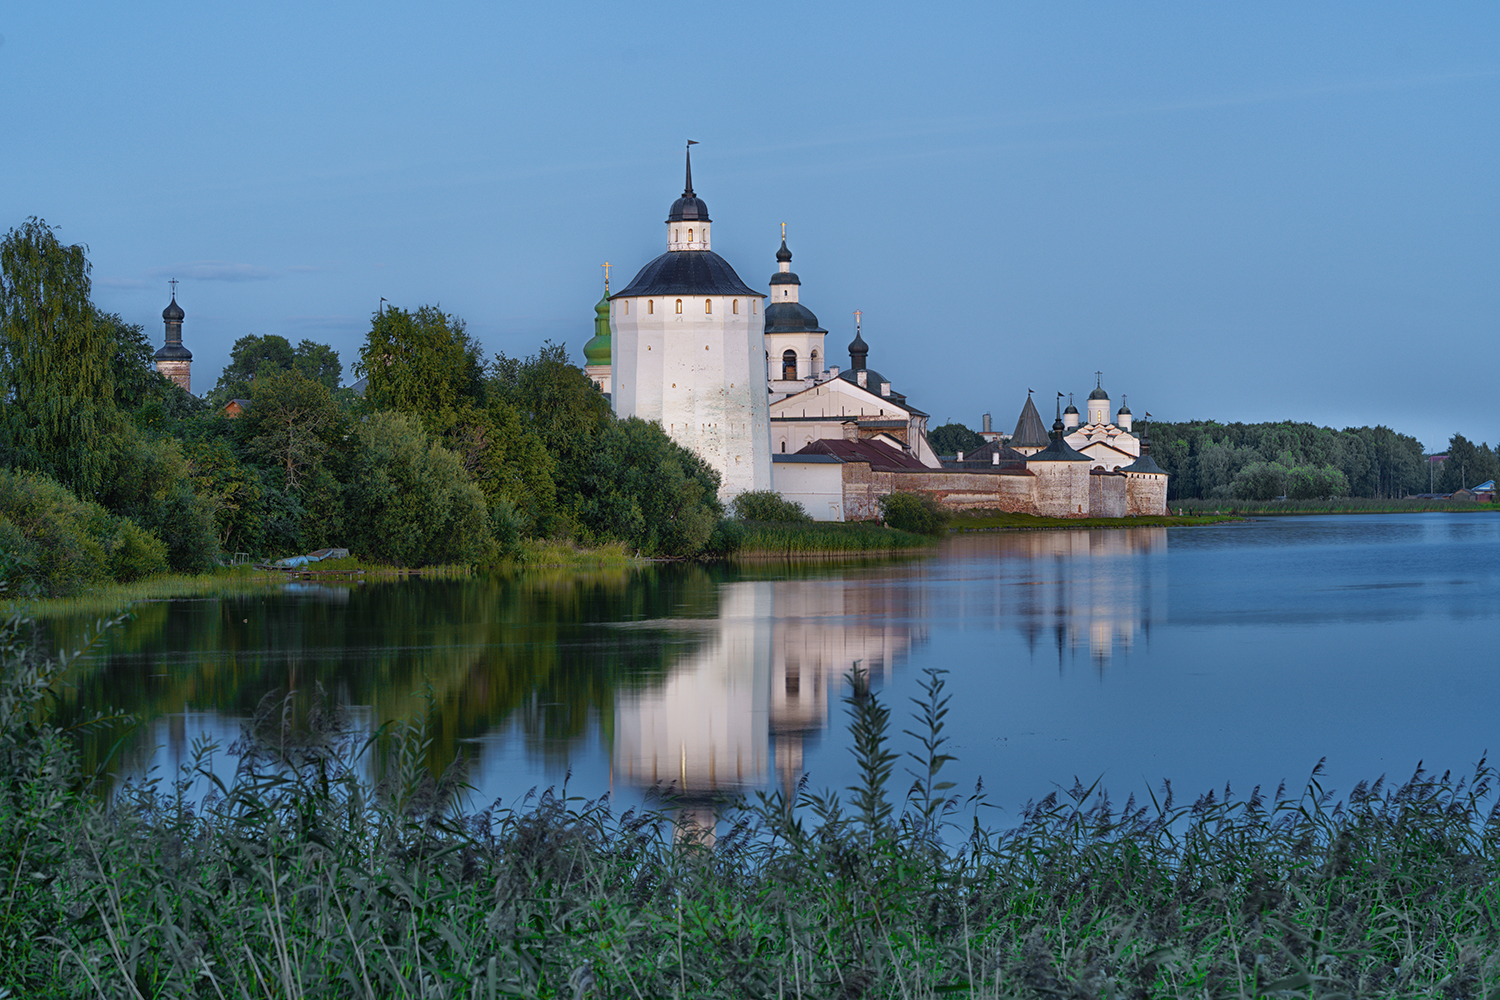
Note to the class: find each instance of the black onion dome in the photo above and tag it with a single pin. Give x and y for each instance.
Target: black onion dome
(174, 352)
(783, 256)
(173, 313)
(690, 207)
(858, 345)
(1125, 410)
(1099, 393)
(1070, 408)
(686, 272)
(791, 317)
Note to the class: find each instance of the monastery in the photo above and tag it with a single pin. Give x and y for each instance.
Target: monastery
(742, 378)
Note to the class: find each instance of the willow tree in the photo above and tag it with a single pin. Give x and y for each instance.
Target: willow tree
(56, 359)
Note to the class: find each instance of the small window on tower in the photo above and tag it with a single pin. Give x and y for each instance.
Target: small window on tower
(677, 236)
(690, 236)
(736, 307)
(650, 307)
(627, 307)
(754, 307)
(679, 307)
(708, 305)
(789, 366)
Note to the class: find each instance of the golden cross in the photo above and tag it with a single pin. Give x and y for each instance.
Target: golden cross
(783, 232)
(606, 276)
(857, 315)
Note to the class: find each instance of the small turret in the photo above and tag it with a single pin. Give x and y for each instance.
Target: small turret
(1122, 416)
(596, 353)
(859, 351)
(1070, 415)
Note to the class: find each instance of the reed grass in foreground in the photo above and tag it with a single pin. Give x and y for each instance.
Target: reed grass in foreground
(766, 540)
(301, 880)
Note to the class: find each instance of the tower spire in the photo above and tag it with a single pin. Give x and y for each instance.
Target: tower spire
(687, 189)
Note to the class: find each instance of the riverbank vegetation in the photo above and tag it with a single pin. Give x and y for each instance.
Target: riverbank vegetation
(301, 879)
(768, 526)
(110, 473)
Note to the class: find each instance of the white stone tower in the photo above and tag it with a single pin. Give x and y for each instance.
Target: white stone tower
(687, 350)
(1099, 402)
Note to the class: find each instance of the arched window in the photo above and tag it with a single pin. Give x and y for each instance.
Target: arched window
(736, 307)
(627, 307)
(783, 447)
(789, 366)
(815, 361)
(690, 236)
(679, 307)
(677, 236)
(754, 307)
(708, 306)
(650, 307)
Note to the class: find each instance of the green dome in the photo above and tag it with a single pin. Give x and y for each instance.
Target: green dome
(596, 351)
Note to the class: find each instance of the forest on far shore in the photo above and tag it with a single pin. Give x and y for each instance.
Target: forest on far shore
(1208, 460)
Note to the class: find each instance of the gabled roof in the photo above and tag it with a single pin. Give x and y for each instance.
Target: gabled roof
(1030, 431)
(1145, 466)
(986, 456)
(882, 457)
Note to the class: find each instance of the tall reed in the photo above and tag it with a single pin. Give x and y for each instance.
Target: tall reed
(301, 879)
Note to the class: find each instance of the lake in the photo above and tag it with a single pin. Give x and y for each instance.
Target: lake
(1238, 652)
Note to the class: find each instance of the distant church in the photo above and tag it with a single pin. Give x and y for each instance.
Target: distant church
(173, 360)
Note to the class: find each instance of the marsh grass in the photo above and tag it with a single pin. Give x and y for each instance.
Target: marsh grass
(301, 879)
(777, 540)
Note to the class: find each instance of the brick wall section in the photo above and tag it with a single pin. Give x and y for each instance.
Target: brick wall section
(179, 372)
(1106, 494)
(1145, 495)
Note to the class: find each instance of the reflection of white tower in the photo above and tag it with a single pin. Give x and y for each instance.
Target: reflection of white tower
(687, 351)
(704, 729)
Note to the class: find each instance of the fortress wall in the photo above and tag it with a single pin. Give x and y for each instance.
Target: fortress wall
(1107, 496)
(1145, 495)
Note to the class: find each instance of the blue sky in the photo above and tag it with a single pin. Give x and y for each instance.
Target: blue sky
(1244, 212)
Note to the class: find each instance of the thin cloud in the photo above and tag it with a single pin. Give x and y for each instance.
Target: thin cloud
(214, 270)
(124, 283)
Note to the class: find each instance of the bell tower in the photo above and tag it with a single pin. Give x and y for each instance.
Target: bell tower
(173, 360)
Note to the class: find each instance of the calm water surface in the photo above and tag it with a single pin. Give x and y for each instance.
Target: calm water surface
(1241, 652)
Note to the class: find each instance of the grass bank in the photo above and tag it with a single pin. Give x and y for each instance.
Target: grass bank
(1353, 505)
(824, 539)
(301, 880)
(986, 520)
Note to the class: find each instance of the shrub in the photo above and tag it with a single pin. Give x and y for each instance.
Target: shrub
(915, 512)
(770, 507)
(57, 545)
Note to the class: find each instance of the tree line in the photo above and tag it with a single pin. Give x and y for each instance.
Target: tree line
(109, 471)
(1208, 460)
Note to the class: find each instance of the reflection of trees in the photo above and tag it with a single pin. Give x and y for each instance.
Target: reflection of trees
(487, 650)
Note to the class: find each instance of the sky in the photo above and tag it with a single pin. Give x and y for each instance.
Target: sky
(1241, 212)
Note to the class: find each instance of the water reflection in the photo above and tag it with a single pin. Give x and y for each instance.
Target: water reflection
(761, 685)
(1155, 652)
(1097, 590)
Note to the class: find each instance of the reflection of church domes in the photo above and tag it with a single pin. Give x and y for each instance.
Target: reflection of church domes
(596, 351)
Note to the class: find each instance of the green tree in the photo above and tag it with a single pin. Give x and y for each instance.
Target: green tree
(256, 356)
(423, 363)
(153, 486)
(916, 512)
(1260, 481)
(291, 423)
(409, 501)
(770, 507)
(57, 361)
(557, 400)
(951, 438)
(1467, 465)
(642, 488)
